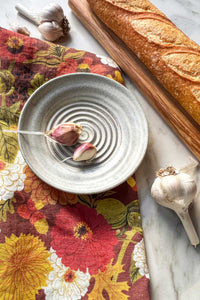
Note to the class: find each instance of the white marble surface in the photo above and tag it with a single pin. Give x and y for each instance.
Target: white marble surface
(174, 264)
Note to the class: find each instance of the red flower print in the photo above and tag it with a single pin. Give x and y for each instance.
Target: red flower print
(83, 239)
(2, 165)
(88, 64)
(16, 46)
(67, 67)
(91, 66)
(29, 211)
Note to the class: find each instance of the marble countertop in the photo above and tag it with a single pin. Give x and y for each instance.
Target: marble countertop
(174, 264)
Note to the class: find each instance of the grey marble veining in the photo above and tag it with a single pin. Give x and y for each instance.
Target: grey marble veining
(174, 264)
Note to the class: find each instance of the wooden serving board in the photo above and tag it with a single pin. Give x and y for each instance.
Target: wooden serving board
(182, 124)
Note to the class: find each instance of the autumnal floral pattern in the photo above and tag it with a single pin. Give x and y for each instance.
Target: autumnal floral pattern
(42, 194)
(38, 219)
(56, 245)
(11, 177)
(65, 283)
(139, 257)
(23, 267)
(79, 232)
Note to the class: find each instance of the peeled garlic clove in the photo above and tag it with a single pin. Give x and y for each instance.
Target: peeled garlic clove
(19, 29)
(51, 31)
(66, 133)
(85, 151)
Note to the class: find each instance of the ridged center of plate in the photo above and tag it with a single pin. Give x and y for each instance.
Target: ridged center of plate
(99, 127)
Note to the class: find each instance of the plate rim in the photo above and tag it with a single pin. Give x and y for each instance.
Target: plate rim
(113, 82)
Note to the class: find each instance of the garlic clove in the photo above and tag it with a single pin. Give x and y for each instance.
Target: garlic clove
(19, 29)
(86, 151)
(176, 191)
(66, 133)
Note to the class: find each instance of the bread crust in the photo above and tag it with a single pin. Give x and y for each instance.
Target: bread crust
(172, 57)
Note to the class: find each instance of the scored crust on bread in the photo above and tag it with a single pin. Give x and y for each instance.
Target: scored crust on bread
(168, 53)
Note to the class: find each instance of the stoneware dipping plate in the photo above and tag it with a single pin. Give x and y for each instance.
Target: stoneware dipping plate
(111, 119)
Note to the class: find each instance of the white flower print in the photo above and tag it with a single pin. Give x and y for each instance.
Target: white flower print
(139, 257)
(11, 177)
(108, 61)
(64, 283)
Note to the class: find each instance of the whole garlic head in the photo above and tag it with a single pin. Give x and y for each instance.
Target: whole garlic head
(173, 189)
(176, 190)
(51, 21)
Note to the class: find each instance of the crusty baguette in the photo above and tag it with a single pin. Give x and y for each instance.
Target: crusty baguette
(170, 55)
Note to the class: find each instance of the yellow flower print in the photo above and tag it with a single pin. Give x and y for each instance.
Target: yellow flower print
(8, 145)
(36, 83)
(7, 81)
(24, 267)
(117, 77)
(15, 44)
(84, 67)
(54, 56)
(104, 281)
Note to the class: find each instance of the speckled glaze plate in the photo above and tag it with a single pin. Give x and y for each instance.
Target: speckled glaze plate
(111, 119)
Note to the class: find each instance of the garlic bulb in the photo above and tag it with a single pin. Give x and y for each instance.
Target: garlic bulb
(51, 21)
(176, 191)
(20, 29)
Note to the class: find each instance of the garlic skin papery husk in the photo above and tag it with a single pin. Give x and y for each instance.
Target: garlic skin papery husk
(176, 191)
(19, 29)
(51, 21)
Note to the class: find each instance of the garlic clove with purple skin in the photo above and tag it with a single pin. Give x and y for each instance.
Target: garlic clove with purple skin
(84, 152)
(66, 134)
